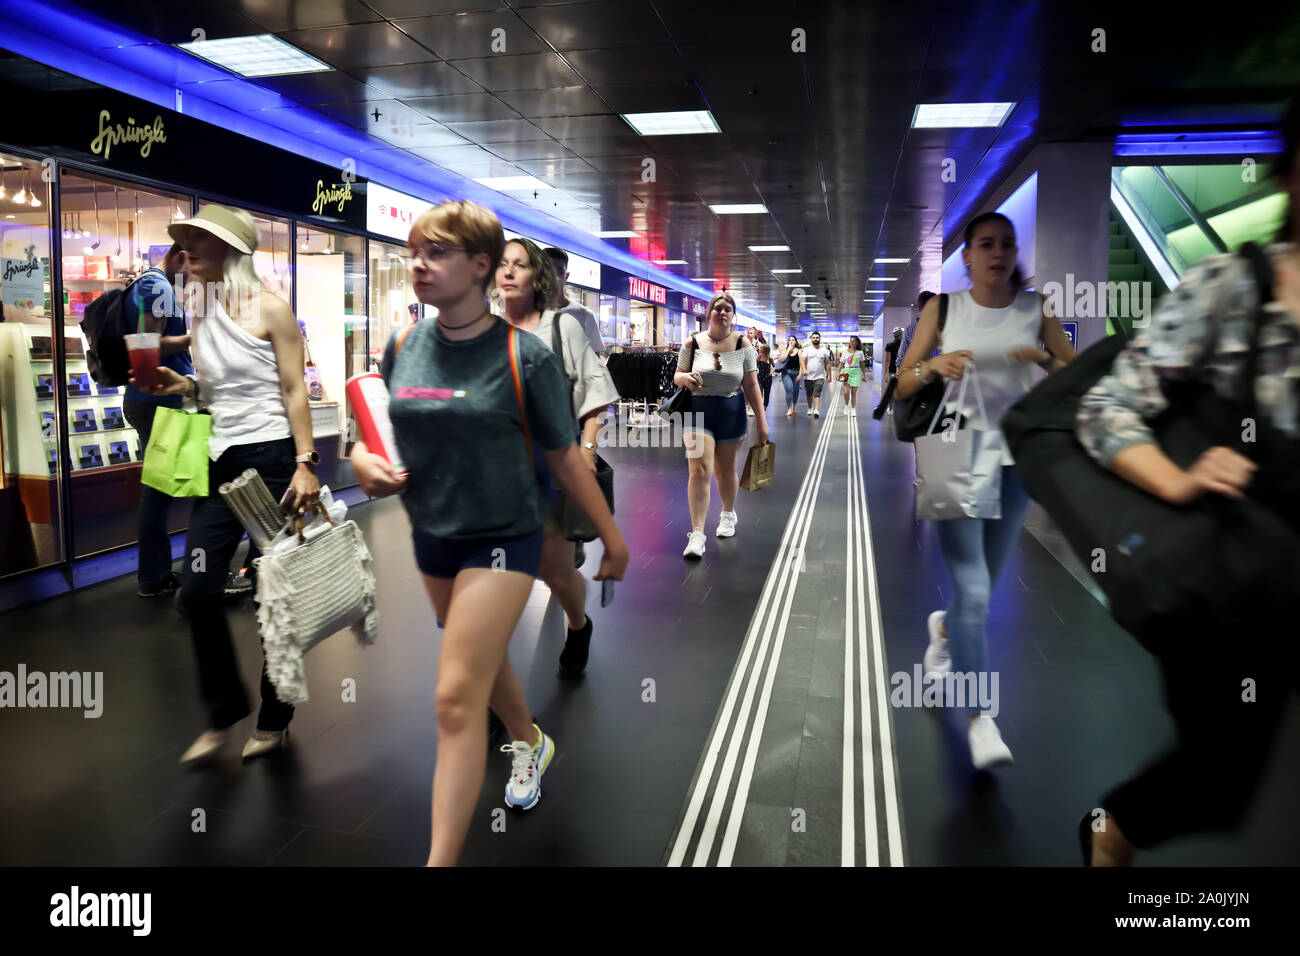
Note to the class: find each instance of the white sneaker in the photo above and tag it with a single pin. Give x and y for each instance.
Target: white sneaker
(846, 410)
(809, 413)
(527, 764)
(817, 414)
(853, 413)
(694, 545)
(727, 524)
(749, 411)
(987, 749)
(938, 660)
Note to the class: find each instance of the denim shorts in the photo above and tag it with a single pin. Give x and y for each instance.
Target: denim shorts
(447, 557)
(723, 418)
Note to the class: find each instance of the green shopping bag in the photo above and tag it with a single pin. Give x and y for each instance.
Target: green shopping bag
(176, 461)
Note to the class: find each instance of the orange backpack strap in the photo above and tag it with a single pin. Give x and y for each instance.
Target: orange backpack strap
(517, 376)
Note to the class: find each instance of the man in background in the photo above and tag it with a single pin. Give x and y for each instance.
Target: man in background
(562, 305)
(154, 295)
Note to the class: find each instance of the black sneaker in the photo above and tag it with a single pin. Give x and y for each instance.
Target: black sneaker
(238, 586)
(573, 659)
(160, 588)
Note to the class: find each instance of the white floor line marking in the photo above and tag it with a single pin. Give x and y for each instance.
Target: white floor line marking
(869, 825)
(776, 581)
(848, 810)
(755, 734)
(888, 756)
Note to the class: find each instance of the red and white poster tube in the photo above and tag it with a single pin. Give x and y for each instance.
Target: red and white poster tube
(369, 397)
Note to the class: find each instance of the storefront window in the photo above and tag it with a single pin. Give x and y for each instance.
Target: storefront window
(393, 304)
(643, 324)
(31, 534)
(331, 313)
(618, 313)
(112, 232)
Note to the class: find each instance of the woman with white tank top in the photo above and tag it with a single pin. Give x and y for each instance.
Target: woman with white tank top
(997, 327)
(248, 357)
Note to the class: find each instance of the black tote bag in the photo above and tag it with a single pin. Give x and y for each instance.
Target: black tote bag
(1165, 567)
(912, 415)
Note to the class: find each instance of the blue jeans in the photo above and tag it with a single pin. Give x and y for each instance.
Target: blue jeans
(974, 550)
(790, 380)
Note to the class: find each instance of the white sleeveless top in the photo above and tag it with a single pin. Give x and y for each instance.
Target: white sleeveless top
(241, 373)
(990, 334)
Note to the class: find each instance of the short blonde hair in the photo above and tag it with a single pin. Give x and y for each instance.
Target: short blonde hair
(472, 227)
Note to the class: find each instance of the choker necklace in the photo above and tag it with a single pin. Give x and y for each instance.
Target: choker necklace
(444, 325)
(711, 338)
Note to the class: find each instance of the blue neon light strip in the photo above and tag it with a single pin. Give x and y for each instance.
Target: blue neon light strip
(1198, 143)
(86, 46)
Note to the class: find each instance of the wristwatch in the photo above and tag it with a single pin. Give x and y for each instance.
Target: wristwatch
(309, 457)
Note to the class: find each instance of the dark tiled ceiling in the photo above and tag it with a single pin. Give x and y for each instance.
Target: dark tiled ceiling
(822, 137)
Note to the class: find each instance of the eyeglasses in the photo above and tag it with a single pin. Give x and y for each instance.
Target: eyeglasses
(430, 254)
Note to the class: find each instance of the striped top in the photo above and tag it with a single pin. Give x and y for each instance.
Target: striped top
(724, 383)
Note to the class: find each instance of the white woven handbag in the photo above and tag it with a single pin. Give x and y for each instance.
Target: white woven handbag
(309, 593)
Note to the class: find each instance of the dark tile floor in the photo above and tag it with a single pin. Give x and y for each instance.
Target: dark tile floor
(1081, 708)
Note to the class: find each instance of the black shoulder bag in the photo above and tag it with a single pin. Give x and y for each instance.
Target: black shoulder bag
(680, 403)
(912, 416)
(1168, 569)
(573, 520)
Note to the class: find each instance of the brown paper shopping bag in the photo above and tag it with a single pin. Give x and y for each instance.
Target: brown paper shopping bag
(760, 465)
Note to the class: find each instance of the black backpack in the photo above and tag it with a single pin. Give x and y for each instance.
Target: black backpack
(106, 325)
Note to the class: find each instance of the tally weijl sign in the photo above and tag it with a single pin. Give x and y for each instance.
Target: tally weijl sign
(115, 134)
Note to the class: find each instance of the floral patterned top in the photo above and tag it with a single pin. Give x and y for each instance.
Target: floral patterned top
(1202, 331)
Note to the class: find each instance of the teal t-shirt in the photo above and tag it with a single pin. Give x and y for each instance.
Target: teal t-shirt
(456, 420)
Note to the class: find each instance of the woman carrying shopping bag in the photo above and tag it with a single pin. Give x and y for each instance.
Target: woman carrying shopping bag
(1219, 330)
(496, 399)
(997, 326)
(249, 358)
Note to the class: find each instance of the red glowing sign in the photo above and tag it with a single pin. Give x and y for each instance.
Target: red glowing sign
(647, 291)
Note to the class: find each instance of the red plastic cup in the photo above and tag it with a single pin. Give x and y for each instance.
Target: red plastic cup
(142, 348)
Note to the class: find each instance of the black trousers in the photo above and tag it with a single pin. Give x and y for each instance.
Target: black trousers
(1206, 783)
(155, 562)
(214, 535)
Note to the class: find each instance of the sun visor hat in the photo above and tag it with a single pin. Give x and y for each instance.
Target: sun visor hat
(222, 223)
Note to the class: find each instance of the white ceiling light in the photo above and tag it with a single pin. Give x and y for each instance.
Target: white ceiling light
(769, 248)
(738, 209)
(947, 115)
(678, 123)
(512, 183)
(704, 279)
(882, 279)
(669, 262)
(777, 272)
(263, 55)
(799, 285)
(884, 261)
(618, 234)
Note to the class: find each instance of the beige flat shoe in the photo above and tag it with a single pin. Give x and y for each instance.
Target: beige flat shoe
(264, 742)
(207, 745)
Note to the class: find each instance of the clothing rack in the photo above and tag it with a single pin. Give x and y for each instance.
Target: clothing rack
(644, 377)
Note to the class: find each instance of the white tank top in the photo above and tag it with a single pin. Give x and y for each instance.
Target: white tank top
(990, 334)
(241, 371)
